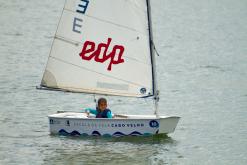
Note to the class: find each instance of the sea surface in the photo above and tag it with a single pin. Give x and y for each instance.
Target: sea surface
(202, 76)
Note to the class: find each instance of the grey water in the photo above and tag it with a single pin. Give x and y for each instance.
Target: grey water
(202, 76)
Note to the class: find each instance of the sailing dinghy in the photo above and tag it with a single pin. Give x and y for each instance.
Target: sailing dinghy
(105, 48)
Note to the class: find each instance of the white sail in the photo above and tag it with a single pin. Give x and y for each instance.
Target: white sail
(103, 47)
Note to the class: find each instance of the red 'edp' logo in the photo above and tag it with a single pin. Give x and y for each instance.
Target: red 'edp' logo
(90, 51)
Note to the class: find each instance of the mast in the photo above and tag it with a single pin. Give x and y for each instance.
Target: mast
(155, 87)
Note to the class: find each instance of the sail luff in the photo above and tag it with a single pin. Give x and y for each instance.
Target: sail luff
(152, 52)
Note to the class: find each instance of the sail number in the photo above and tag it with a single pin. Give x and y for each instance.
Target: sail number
(90, 50)
(81, 8)
(154, 124)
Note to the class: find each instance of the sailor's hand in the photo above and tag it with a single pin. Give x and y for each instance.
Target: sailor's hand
(87, 111)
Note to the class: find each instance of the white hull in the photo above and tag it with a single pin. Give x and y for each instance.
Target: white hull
(71, 123)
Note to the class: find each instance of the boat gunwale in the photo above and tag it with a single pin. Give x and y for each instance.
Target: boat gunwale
(118, 117)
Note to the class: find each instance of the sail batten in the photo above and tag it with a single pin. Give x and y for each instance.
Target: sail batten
(67, 40)
(102, 47)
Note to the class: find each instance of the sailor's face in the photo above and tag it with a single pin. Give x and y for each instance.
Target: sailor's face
(102, 105)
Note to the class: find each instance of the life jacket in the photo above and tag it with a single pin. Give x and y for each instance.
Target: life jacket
(103, 114)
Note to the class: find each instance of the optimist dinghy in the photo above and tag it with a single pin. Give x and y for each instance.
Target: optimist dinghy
(105, 48)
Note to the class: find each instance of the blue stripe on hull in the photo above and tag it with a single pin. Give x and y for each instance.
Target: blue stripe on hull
(96, 133)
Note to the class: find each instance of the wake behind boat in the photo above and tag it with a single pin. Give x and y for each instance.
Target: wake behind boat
(105, 47)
